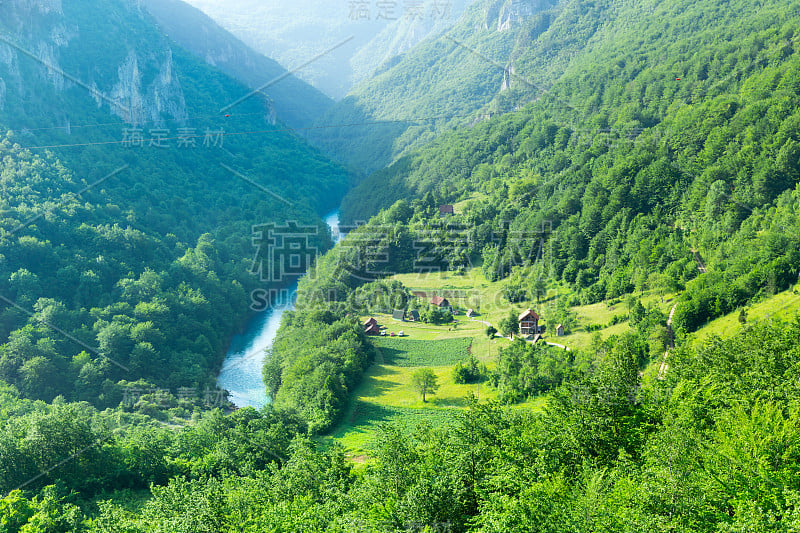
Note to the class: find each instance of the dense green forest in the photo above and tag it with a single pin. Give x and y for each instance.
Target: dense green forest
(661, 155)
(713, 448)
(127, 248)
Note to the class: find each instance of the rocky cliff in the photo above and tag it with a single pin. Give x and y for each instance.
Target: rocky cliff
(134, 82)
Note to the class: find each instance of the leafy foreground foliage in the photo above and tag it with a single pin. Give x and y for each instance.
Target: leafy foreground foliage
(714, 448)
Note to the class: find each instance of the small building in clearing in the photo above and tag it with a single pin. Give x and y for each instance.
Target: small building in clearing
(399, 314)
(372, 329)
(529, 323)
(413, 315)
(446, 210)
(441, 303)
(370, 322)
(560, 330)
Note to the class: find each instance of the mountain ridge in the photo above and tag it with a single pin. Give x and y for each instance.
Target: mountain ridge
(292, 100)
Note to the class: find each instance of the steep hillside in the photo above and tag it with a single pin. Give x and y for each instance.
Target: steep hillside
(449, 81)
(130, 202)
(667, 134)
(292, 100)
(293, 33)
(624, 177)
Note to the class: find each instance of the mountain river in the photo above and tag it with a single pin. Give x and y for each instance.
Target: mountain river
(241, 371)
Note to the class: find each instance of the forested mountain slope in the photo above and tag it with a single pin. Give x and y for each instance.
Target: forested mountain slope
(605, 185)
(441, 83)
(129, 201)
(669, 136)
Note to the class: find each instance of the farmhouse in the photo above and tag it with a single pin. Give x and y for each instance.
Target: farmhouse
(529, 323)
(441, 303)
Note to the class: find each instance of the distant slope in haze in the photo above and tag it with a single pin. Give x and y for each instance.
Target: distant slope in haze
(294, 101)
(444, 82)
(294, 32)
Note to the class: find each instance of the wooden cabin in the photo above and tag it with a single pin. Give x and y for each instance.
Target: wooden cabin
(441, 303)
(529, 323)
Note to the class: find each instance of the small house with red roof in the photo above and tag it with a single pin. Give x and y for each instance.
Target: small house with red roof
(529, 323)
(442, 303)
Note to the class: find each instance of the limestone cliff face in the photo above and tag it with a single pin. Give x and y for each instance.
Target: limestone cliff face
(505, 15)
(141, 102)
(139, 87)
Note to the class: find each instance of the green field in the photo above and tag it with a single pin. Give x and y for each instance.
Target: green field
(364, 419)
(784, 305)
(386, 395)
(409, 352)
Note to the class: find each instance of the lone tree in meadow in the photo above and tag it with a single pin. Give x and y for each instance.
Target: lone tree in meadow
(509, 325)
(424, 382)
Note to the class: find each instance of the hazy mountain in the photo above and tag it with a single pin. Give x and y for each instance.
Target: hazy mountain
(442, 82)
(294, 32)
(293, 101)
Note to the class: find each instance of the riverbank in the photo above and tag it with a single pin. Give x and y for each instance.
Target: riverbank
(241, 373)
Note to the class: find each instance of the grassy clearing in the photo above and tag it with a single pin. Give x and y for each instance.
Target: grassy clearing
(461, 327)
(784, 305)
(391, 386)
(473, 291)
(602, 314)
(386, 395)
(366, 417)
(416, 353)
(458, 208)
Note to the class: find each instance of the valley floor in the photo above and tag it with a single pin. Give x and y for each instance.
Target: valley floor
(386, 393)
